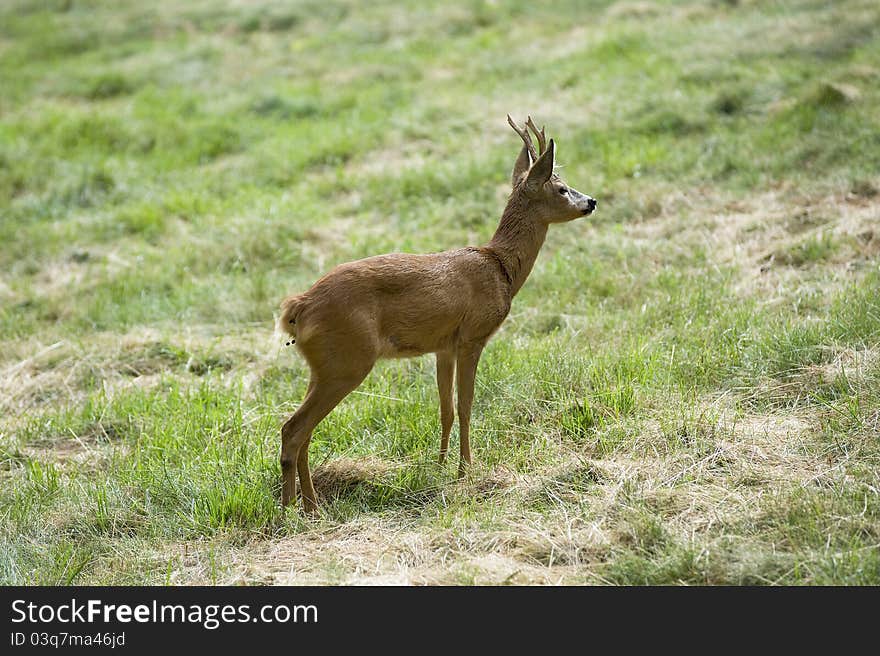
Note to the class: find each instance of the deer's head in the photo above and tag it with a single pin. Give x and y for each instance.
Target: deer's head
(545, 195)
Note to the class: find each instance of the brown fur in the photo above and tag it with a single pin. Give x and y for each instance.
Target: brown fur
(402, 305)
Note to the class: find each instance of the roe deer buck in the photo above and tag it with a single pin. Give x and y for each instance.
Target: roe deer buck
(402, 305)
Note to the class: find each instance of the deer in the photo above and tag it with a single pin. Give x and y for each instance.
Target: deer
(405, 305)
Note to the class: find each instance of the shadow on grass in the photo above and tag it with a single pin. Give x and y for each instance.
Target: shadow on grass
(349, 486)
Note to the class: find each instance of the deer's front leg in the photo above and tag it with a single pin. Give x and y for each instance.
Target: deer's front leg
(466, 370)
(445, 373)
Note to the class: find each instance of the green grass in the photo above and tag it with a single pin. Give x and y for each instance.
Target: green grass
(685, 391)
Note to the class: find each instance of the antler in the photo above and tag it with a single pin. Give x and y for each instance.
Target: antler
(542, 139)
(524, 135)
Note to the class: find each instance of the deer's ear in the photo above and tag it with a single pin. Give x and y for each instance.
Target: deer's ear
(543, 168)
(523, 164)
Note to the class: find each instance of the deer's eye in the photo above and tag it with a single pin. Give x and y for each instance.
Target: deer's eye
(563, 191)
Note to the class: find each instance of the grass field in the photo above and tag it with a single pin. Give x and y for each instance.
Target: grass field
(687, 390)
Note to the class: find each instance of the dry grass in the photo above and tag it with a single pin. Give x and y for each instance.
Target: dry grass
(702, 497)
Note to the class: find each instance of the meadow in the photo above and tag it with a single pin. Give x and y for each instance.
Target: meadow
(686, 391)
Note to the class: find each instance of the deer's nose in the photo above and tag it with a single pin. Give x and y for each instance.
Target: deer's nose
(591, 205)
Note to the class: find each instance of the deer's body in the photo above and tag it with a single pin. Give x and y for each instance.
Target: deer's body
(402, 305)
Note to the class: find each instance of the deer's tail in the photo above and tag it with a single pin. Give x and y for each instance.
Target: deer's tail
(290, 310)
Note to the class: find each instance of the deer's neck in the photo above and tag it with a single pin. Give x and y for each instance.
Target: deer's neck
(517, 242)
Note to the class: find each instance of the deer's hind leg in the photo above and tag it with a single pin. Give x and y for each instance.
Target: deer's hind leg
(445, 374)
(329, 384)
(291, 441)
